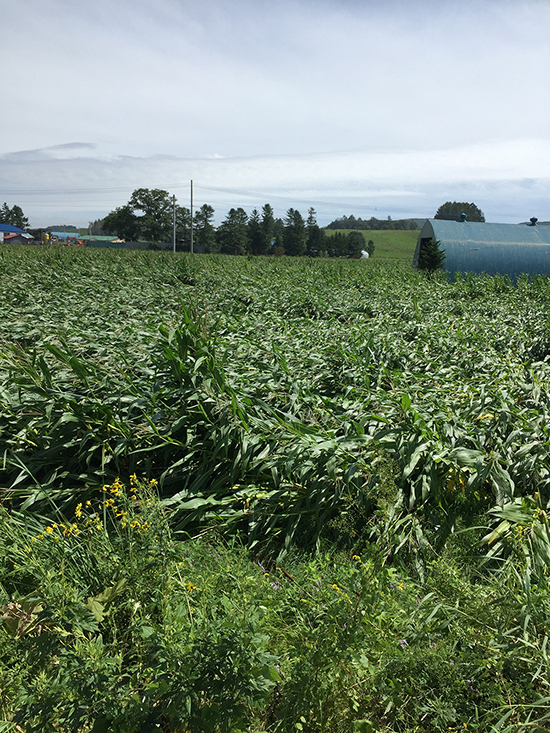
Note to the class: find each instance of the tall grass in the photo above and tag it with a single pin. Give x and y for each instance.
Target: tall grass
(292, 407)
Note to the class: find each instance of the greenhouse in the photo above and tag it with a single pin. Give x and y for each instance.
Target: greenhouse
(505, 249)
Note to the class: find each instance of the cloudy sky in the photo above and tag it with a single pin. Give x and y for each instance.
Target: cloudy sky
(371, 107)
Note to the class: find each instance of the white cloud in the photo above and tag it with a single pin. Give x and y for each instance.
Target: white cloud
(508, 180)
(269, 97)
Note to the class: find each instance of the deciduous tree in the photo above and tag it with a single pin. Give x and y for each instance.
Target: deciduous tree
(451, 211)
(13, 216)
(148, 215)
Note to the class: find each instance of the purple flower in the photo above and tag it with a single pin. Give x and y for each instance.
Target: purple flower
(403, 643)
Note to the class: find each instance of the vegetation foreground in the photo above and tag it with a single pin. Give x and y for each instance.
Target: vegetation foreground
(271, 495)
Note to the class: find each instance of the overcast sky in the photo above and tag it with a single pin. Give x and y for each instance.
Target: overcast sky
(370, 107)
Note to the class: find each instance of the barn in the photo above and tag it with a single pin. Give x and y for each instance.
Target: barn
(505, 249)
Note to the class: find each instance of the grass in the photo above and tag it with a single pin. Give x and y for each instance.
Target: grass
(389, 244)
(119, 626)
(340, 472)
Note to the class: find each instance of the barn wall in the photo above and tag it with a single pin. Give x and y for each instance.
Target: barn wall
(506, 249)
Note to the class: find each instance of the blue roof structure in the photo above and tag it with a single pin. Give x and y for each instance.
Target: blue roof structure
(10, 229)
(505, 249)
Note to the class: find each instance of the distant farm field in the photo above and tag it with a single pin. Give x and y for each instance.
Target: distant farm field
(389, 244)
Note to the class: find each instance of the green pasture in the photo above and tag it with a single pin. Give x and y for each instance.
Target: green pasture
(266, 495)
(389, 244)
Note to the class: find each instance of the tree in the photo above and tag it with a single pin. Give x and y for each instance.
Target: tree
(337, 245)
(13, 216)
(256, 238)
(124, 223)
(156, 220)
(268, 226)
(430, 257)
(451, 211)
(295, 235)
(315, 235)
(148, 215)
(183, 228)
(355, 244)
(205, 231)
(370, 248)
(232, 234)
(96, 227)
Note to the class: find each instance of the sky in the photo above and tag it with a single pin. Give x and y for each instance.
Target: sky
(366, 107)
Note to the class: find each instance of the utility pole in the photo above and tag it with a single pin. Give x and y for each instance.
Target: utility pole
(191, 217)
(174, 221)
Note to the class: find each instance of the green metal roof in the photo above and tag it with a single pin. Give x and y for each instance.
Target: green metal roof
(507, 249)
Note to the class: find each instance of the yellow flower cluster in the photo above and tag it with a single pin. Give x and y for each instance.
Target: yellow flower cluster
(92, 521)
(54, 530)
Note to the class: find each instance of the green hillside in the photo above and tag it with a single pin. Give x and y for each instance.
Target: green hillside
(389, 244)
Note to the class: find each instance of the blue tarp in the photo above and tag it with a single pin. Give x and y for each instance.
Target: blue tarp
(10, 229)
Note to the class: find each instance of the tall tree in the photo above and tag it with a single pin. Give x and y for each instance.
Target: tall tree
(148, 215)
(268, 226)
(295, 235)
(451, 211)
(315, 235)
(156, 207)
(183, 227)
(256, 238)
(355, 243)
(339, 245)
(13, 216)
(205, 230)
(124, 223)
(232, 234)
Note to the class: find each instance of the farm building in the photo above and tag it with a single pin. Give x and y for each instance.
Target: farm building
(505, 249)
(17, 239)
(7, 230)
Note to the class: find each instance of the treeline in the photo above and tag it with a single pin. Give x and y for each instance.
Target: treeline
(14, 216)
(350, 222)
(150, 216)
